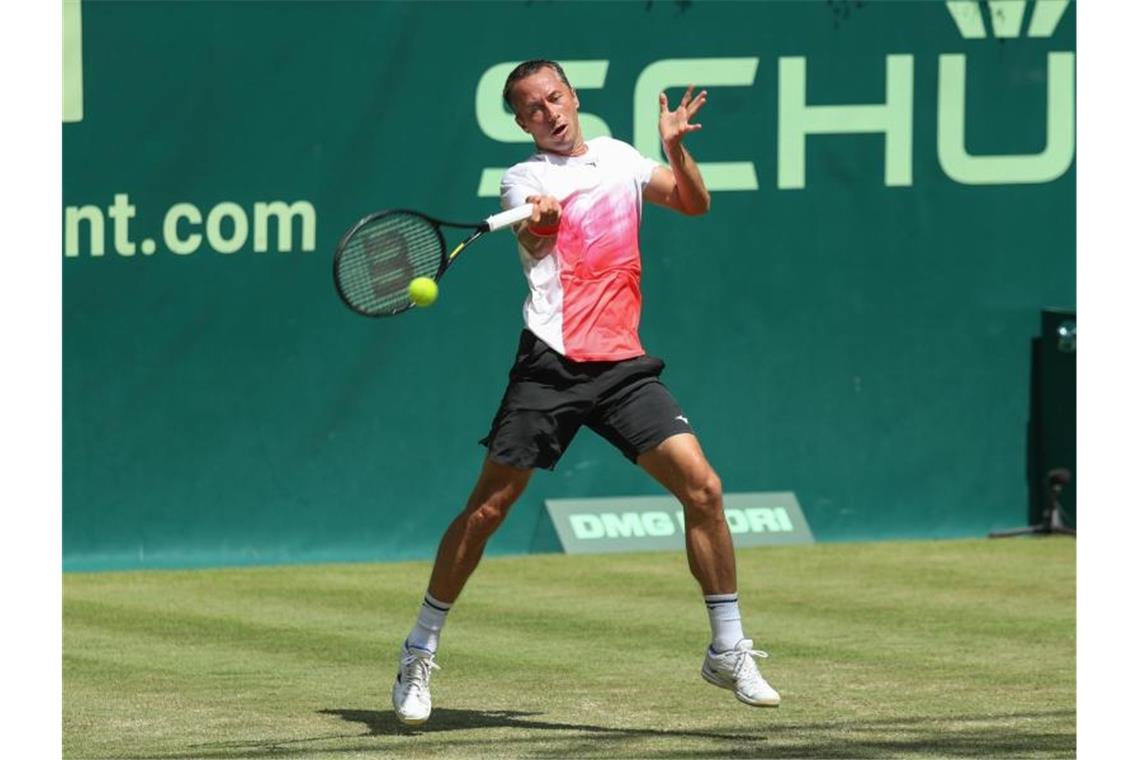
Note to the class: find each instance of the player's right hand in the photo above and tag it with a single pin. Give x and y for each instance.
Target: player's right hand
(547, 211)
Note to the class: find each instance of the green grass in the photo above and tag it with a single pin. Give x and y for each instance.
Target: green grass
(905, 649)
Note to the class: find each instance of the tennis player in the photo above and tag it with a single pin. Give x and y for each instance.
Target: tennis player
(580, 362)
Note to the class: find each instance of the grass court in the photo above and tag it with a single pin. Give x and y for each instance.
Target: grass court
(924, 649)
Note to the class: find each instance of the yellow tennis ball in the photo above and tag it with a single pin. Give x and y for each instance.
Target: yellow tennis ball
(423, 291)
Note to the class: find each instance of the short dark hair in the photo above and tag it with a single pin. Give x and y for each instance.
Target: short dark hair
(524, 70)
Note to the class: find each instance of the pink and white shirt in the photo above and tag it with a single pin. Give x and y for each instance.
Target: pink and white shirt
(585, 297)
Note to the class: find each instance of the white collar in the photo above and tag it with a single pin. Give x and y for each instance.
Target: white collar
(589, 158)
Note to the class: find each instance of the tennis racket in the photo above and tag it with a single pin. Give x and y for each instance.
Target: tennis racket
(379, 256)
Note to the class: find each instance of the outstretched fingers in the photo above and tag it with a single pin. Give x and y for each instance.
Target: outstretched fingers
(687, 96)
(698, 101)
(688, 106)
(675, 124)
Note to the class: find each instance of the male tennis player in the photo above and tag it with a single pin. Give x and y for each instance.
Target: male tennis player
(580, 362)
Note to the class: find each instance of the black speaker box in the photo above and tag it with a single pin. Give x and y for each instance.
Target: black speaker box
(1052, 429)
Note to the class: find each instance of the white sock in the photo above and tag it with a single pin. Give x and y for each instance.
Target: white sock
(724, 617)
(425, 634)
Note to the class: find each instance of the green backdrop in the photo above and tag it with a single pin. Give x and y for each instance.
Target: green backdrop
(859, 337)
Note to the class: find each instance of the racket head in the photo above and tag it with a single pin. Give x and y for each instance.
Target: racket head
(381, 254)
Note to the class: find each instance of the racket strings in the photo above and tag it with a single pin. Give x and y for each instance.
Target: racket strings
(383, 257)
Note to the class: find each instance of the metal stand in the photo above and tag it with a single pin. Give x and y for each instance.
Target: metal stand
(1051, 521)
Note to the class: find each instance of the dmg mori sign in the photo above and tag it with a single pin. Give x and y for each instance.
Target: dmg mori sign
(654, 523)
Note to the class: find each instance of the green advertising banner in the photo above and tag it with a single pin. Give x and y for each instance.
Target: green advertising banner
(657, 523)
(893, 190)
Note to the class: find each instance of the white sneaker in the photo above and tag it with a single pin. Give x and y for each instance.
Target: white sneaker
(736, 670)
(410, 694)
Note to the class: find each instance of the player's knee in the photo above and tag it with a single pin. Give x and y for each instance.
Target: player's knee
(484, 519)
(705, 497)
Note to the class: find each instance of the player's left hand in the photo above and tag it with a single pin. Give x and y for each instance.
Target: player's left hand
(674, 125)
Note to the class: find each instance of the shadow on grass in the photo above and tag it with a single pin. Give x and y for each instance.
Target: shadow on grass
(990, 736)
(384, 723)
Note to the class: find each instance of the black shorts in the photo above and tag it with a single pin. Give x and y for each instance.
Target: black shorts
(549, 397)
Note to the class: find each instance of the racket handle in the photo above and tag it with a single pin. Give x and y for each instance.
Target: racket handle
(509, 217)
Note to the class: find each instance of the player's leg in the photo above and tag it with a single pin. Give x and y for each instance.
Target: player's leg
(498, 487)
(639, 415)
(460, 549)
(679, 464)
(536, 421)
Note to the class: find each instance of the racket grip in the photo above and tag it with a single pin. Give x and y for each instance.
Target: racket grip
(509, 217)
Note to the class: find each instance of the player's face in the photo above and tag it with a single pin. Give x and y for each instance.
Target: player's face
(547, 109)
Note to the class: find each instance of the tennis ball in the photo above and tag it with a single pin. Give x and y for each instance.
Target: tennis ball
(423, 291)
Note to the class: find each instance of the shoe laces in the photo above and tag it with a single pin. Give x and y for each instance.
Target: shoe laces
(745, 668)
(417, 670)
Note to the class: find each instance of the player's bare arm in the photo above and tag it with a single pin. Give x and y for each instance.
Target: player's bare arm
(538, 233)
(680, 186)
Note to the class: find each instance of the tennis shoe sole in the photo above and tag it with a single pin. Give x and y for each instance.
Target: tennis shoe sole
(729, 684)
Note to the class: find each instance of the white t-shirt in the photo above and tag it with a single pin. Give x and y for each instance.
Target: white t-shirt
(585, 297)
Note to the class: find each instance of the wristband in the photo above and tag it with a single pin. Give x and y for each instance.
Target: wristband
(547, 231)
